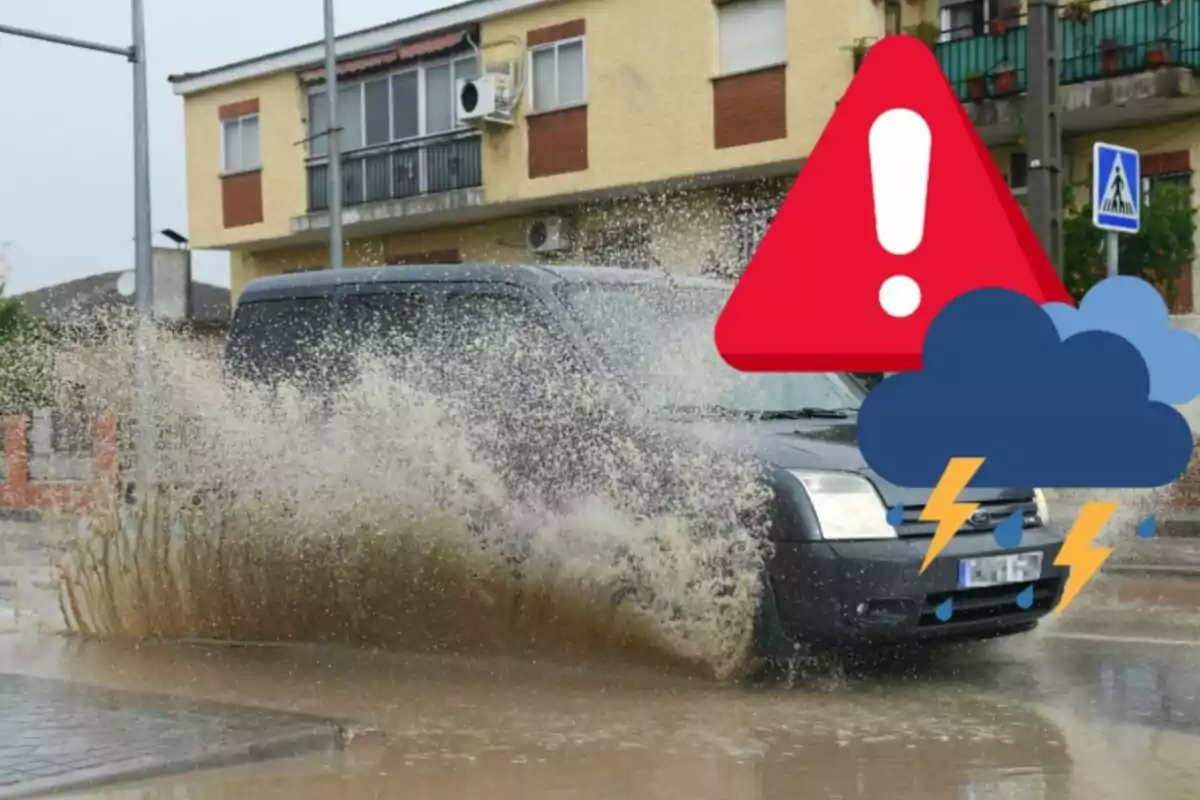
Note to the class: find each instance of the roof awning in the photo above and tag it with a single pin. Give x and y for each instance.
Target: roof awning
(384, 58)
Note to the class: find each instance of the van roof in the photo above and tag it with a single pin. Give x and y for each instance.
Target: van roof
(325, 282)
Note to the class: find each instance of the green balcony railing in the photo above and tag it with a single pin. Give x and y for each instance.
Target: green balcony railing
(1119, 40)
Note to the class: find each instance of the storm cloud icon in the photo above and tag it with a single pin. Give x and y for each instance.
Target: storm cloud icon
(999, 382)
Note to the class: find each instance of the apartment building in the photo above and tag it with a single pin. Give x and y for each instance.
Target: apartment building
(624, 131)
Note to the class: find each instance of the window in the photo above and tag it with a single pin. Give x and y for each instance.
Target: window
(1150, 183)
(391, 321)
(559, 75)
(502, 349)
(683, 367)
(239, 144)
(318, 124)
(751, 34)
(1018, 172)
(273, 340)
(963, 19)
(378, 118)
(417, 101)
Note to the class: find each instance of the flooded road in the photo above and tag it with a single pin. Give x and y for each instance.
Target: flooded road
(1071, 711)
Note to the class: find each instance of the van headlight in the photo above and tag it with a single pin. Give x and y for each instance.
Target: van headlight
(847, 505)
(1043, 508)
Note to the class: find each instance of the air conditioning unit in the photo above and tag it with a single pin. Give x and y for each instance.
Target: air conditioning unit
(487, 98)
(548, 235)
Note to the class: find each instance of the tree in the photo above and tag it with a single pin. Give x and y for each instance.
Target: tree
(1158, 253)
(12, 316)
(24, 360)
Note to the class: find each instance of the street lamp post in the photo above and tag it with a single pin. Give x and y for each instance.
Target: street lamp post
(143, 253)
(336, 250)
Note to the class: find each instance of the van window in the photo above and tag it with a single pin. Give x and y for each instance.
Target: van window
(391, 321)
(279, 340)
(508, 342)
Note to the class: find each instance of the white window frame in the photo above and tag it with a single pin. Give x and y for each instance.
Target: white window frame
(555, 46)
(721, 72)
(389, 76)
(240, 120)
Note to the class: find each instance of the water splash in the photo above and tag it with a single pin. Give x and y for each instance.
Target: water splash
(415, 508)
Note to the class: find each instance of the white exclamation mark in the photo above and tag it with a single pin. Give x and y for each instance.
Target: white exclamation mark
(900, 145)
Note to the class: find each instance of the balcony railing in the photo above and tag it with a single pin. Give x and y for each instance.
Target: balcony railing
(1107, 42)
(399, 170)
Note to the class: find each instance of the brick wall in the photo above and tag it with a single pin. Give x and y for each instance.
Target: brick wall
(22, 491)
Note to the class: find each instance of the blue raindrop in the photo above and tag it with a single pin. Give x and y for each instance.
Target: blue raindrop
(1008, 532)
(1025, 598)
(1145, 528)
(895, 516)
(945, 609)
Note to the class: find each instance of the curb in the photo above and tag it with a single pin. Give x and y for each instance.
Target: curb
(1167, 570)
(323, 738)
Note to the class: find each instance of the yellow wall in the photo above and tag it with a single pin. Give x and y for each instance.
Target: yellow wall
(281, 125)
(649, 86)
(686, 230)
(650, 110)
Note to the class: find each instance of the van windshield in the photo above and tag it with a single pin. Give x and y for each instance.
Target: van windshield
(660, 337)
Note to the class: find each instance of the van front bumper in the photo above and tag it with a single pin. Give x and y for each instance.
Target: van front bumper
(865, 592)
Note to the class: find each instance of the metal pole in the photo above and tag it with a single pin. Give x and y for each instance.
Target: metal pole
(143, 253)
(1045, 135)
(335, 150)
(1112, 251)
(67, 40)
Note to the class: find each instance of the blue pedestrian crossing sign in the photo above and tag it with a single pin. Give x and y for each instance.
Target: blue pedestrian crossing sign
(1116, 188)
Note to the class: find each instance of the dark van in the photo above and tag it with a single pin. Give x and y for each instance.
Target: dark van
(838, 572)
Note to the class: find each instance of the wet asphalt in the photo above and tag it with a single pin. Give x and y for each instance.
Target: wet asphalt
(1104, 703)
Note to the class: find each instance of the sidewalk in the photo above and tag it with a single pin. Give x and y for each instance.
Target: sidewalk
(1165, 556)
(56, 736)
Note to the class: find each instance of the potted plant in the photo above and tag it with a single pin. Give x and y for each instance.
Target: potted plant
(1007, 16)
(858, 48)
(1159, 54)
(1077, 10)
(1005, 79)
(976, 85)
(1110, 55)
(926, 31)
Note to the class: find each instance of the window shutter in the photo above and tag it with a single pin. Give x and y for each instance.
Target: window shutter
(752, 34)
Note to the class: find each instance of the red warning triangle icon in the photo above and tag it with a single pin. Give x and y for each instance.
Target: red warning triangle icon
(899, 209)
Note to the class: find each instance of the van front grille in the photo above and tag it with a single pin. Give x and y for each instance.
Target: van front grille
(997, 511)
(973, 605)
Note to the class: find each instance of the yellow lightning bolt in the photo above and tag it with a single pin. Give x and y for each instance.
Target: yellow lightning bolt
(1079, 554)
(943, 506)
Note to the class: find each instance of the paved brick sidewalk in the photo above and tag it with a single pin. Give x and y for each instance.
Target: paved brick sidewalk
(56, 736)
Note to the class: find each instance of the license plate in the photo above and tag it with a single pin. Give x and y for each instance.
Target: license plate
(974, 573)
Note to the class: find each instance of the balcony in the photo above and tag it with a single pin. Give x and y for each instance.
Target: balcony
(1099, 45)
(401, 170)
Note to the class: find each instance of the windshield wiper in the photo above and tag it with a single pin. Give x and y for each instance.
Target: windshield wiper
(808, 412)
(708, 411)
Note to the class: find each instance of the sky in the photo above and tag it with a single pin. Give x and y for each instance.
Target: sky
(66, 184)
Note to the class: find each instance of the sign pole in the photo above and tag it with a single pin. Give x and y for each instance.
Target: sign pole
(1111, 248)
(1116, 197)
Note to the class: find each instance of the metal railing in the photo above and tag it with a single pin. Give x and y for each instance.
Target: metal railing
(401, 169)
(1107, 42)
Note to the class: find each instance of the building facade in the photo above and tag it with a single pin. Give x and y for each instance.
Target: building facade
(628, 132)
